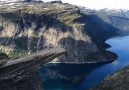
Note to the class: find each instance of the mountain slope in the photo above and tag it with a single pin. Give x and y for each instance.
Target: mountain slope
(29, 27)
(116, 18)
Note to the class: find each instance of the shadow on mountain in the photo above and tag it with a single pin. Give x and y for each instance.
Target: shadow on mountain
(99, 30)
(79, 51)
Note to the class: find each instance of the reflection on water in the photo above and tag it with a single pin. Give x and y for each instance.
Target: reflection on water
(65, 76)
(81, 77)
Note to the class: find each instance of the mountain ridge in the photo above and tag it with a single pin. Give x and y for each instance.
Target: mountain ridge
(44, 22)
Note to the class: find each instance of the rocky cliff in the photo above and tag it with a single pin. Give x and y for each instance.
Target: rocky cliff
(29, 27)
(117, 81)
(20, 73)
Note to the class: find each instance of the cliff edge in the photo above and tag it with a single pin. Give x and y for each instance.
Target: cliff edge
(29, 27)
(20, 73)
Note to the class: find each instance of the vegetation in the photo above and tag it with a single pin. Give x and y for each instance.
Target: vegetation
(68, 18)
(66, 13)
(18, 53)
(35, 34)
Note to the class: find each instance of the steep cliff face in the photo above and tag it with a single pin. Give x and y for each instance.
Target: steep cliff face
(29, 27)
(117, 81)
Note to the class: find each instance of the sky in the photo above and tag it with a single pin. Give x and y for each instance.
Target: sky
(100, 4)
(94, 4)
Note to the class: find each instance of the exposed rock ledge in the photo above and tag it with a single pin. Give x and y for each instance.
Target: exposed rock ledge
(16, 74)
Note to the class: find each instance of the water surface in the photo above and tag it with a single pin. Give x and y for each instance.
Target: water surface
(82, 77)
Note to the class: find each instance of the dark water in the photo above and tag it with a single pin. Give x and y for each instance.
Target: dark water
(82, 77)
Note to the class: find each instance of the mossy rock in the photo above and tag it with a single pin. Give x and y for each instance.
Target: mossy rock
(3, 56)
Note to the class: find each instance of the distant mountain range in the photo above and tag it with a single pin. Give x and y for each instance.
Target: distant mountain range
(119, 18)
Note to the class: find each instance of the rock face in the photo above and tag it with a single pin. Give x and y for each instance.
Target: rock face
(117, 81)
(30, 27)
(33, 82)
(19, 74)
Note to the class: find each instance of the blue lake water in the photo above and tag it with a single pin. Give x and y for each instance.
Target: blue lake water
(84, 76)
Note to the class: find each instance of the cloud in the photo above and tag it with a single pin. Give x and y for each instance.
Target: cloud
(99, 4)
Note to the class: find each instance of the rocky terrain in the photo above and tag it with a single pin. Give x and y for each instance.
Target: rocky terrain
(29, 27)
(20, 73)
(117, 81)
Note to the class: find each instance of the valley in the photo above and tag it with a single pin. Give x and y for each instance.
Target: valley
(87, 35)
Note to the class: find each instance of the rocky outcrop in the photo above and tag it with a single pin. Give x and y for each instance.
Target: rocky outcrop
(117, 81)
(33, 82)
(30, 27)
(19, 74)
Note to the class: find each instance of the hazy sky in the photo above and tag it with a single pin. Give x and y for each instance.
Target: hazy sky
(99, 4)
(95, 4)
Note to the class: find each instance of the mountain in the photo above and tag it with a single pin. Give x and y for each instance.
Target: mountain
(28, 27)
(118, 18)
